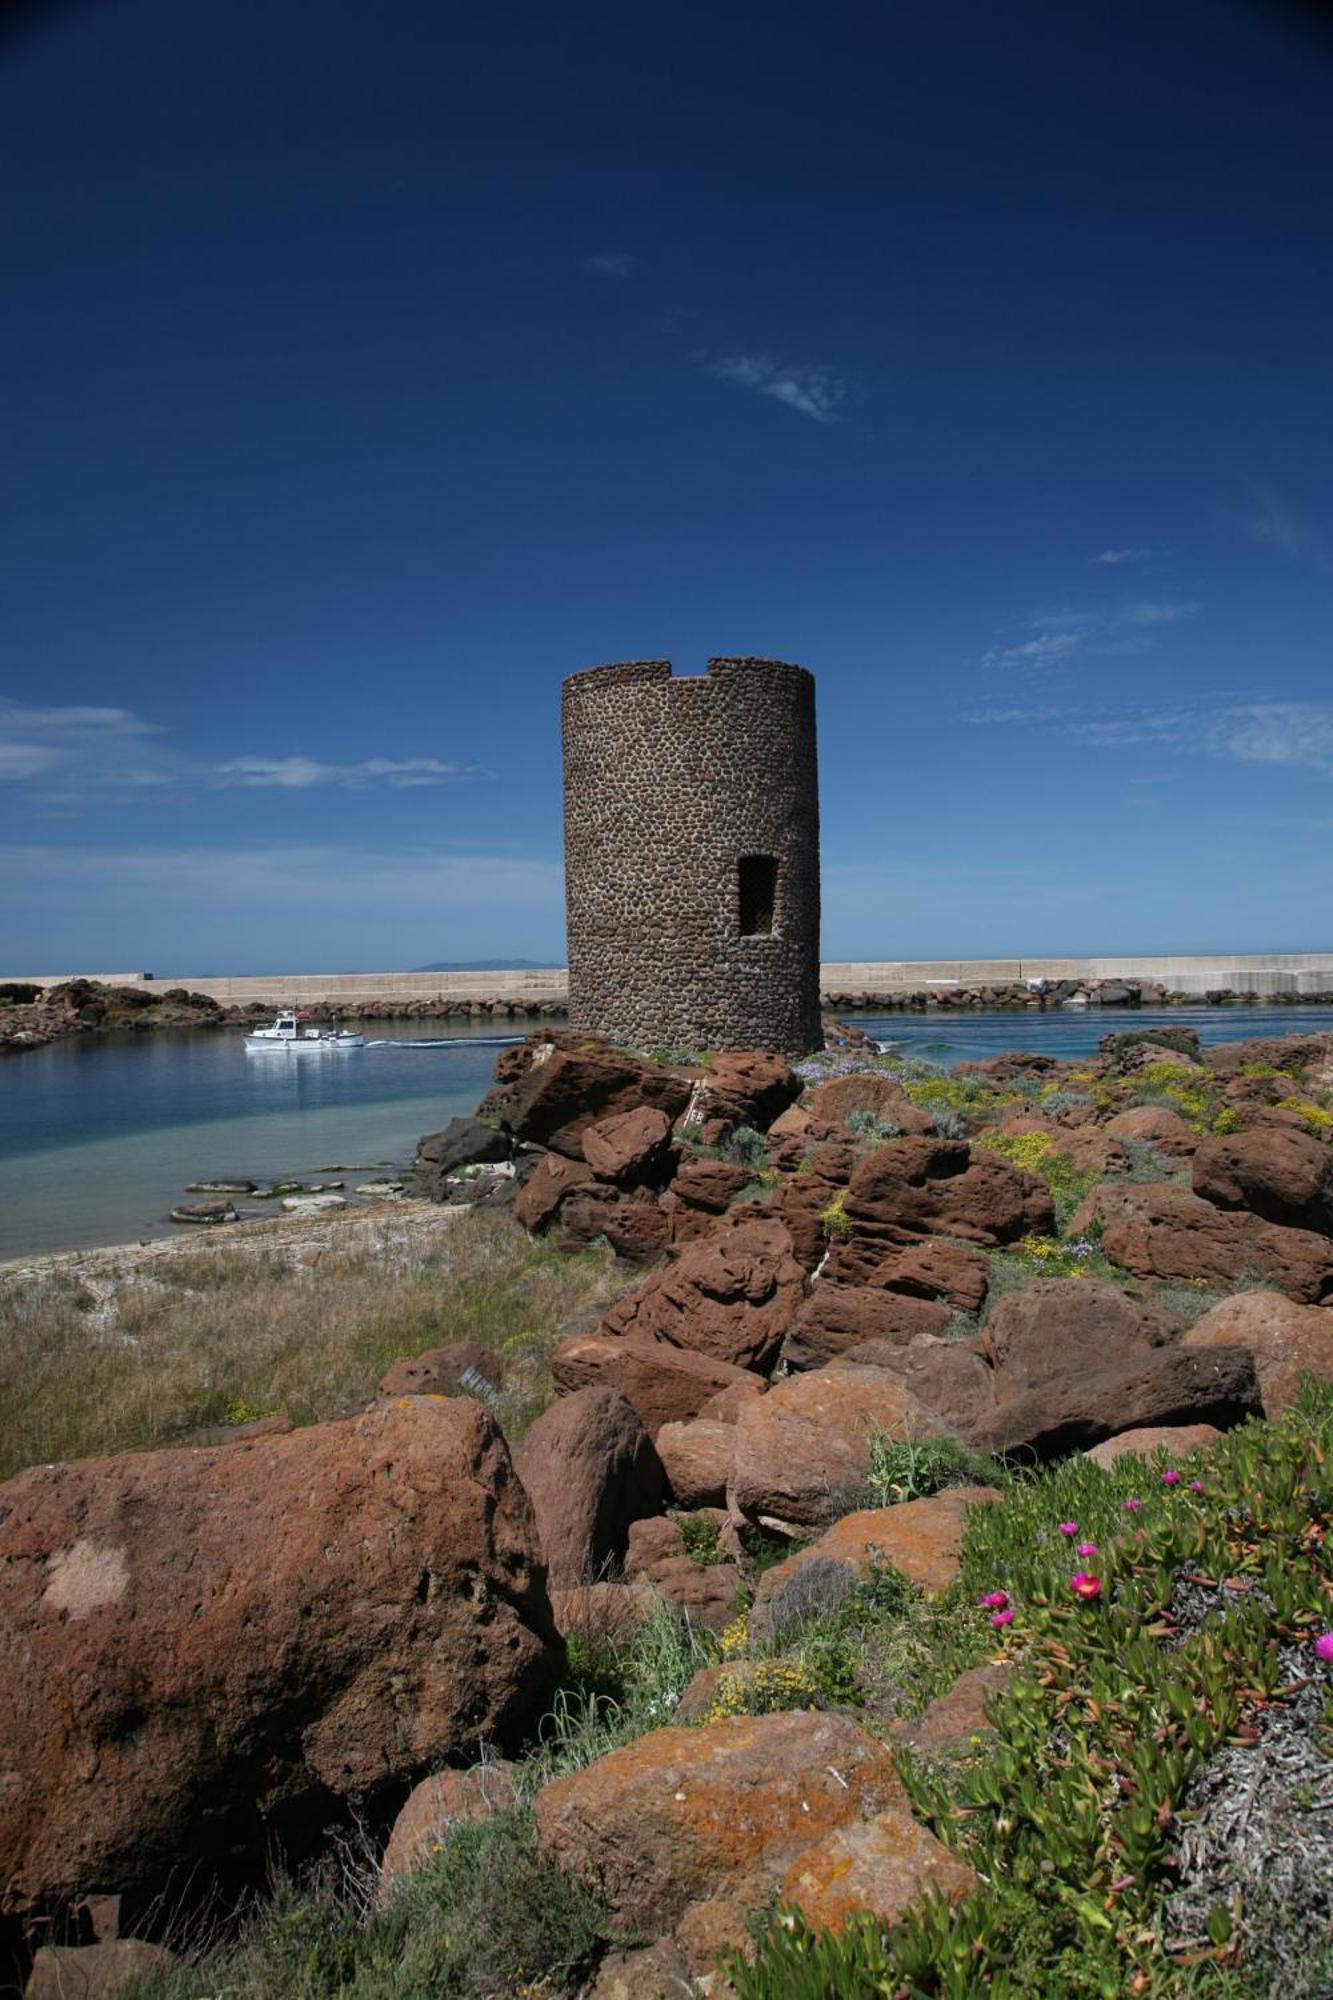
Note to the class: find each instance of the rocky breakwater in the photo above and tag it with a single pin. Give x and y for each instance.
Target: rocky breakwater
(1017, 996)
(32, 1016)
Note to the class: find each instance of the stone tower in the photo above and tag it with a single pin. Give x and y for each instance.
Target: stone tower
(692, 855)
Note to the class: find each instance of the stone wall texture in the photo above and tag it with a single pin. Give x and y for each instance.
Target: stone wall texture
(670, 782)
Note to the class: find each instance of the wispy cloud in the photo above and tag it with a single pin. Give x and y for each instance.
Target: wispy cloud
(1236, 728)
(814, 392)
(1160, 614)
(1113, 557)
(1033, 656)
(1273, 523)
(70, 756)
(610, 264)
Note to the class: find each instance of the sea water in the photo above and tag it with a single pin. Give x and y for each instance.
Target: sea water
(100, 1134)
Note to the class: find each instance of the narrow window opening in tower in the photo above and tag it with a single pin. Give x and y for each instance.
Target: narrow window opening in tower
(757, 881)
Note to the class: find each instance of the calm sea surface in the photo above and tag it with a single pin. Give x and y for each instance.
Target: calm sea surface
(98, 1136)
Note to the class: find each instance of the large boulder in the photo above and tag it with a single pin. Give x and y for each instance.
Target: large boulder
(665, 1384)
(589, 1469)
(941, 1187)
(922, 1270)
(463, 1368)
(660, 1824)
(921, 1539)
(631, 1220)
(696, 1458)
(464, 1142)
(630, 1148)
(1162, 1231)
(1159, 1126)
(560, 1091)
(700, 1194)
(1282, 1174)
(732, 1296)
(196, 1645)
(837, 1317)
(1054, 1331)
(803, 1198)
(802, 1452)
(1162, 1385)
(1287, 1341)
(748, 1087)
(447, 1799)
(873, 1092)
(1176, 1440)
(111, 1968)
(885, 1864)
(545, 1190)
(950, 1377)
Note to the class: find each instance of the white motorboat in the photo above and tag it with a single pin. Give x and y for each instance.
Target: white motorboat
(287, 1033)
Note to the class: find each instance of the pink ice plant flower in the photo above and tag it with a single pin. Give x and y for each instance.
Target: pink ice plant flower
(1086, 1549)
(1323, 1646)
(1085, 1586)
(1170, 1477)
(1196, 1486)
(999, 1618)
(1068, 1527)
(994, 1600)
(1131, 1506)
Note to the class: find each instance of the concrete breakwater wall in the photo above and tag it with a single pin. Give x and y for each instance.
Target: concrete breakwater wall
(1273, 976)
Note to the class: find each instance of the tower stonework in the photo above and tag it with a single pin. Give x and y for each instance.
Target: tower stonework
(692, 855)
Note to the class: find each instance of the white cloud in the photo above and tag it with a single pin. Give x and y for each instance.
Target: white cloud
(1114, 557)
(300, 773)
(1234, 728)
(1160, 614)
(1274, 524)
(70, 756)
(1033, 656)
(814, 392)
(611, 264)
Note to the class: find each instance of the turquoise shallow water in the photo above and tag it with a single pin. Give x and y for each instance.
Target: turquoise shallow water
(99, 1135)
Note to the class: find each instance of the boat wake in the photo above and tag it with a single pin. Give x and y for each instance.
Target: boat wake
(450, 1042)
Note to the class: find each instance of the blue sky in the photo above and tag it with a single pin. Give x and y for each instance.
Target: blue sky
(363, 371)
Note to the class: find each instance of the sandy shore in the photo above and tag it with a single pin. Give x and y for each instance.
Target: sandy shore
(392, 1227)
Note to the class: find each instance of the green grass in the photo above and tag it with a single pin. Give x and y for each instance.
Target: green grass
(106, 1359)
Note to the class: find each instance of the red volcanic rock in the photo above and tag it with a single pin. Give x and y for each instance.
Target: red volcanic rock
(731, 1297)
(194, 1643)
(1176, 1440)
(631, 1147)
(632, 1220)
(871, 1091)
(589, 1470)
(99, 1971)
(748, 1087)
(885, 1864)
(665, 1384)
(538, 1201)
(561, 1091)
(836, 1317)
(701, 1192)
(950, 1722)
(440, 1371)
(1058, 1331)
(1282, 1174)
(802, 1452)
(921, 1539)
(1167, 1232)
(949, 1376)
(660, 1823)
(1287, 1340)
(696, 1457)
(801, 1198)
(1164, 1130)
(1165, 1385)
(450, 1798)
(921, 1270)
(929, 1187)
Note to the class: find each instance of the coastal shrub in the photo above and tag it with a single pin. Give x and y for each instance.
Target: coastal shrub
(906, 1468)
(834, 1219)
(1317, 1116)
(1161, 1617)
(1037, 1153)
(867, 1125)
(137, 1354)
(950, 1124)
(488, 1913)
(744, 1147)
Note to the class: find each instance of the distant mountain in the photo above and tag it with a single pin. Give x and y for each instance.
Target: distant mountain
(492, 965)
